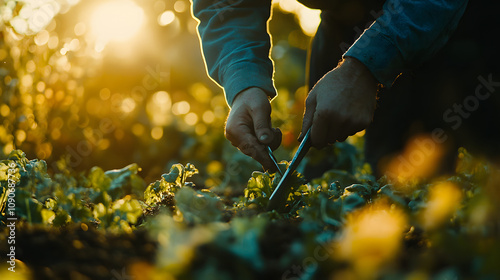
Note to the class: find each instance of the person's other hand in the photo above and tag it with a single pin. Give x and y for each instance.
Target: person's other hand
(341, 104)
(248, 126)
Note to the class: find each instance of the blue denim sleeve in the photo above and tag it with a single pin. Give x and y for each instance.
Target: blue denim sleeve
(407, 34)
(236, 44)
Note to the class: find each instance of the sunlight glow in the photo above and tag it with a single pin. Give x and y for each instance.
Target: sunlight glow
(158, 109)
(181, 108)
(191, 119)
(128, 105)
(117, 20)
(309, 19)
(208, 117)
(166, 18)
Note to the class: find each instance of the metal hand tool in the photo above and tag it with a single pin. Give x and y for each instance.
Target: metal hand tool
(271, 155)
(279, 196)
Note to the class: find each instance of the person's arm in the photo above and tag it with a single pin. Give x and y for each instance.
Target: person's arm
(236, 44)
(407, 34)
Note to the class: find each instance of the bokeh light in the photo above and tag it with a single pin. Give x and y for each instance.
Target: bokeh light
(420, 159)
(180, 6)
(309, 19)
(166, 18)
(128, 105)
(372, 237)
(208, 117)
(138, 129)
(117, 20)
(191, 119)
(444, 200)
(181, 108)
(158, 108)
(157, 133)
(98, 60)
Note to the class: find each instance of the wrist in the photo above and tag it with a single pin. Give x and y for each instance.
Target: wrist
(250, 94)
(359, 70)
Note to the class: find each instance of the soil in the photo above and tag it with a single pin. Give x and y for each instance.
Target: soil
(81, 252)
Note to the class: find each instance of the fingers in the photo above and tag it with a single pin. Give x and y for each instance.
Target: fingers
(320, 129)
(338, 106)
(241, 136)
(241, 128)
(276, 139)
(308, 115)
(319, 121)
(337, 132)
(259, 153)
(327, 126)
(262, 125)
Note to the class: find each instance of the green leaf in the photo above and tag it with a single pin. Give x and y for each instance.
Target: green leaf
(344, 177)
(258, 189)
(62, 218)
(124, 181)
(127, 209)
(100, 210)
(47, 216)
(360, 189)
(198, 207)
(18, 156)
(28, 207)
(189, 171)
(244, 243)
(351, 201)
(153, 193)
(396, 197)
(102, 198)
(98, 180)
(175, 174)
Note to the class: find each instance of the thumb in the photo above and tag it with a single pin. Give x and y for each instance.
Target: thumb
(277, 136)
(308, 116)
(262, 127)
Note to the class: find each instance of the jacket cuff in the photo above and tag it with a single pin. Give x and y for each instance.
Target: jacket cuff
(379, 55)
(241, 76)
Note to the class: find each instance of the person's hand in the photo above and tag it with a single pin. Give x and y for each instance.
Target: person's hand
(341, 104)
(248, 126)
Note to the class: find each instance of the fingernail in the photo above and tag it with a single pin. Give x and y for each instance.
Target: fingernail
(264, 137)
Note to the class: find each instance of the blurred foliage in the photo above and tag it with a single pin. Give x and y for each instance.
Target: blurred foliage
(340, 225)
(72, 92)
(109, 198)
(73, 98)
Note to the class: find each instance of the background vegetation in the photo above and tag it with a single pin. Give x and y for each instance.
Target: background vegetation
(78, 87)
(123, 171)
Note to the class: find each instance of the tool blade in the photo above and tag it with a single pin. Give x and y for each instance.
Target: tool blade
(271, 155)
(278, 197)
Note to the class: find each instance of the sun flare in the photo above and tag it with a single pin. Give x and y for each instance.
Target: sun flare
(116, 20)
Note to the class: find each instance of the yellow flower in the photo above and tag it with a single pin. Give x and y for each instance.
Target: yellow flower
(444, 200)
(371, 238)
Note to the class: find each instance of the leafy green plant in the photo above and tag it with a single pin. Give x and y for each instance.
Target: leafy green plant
(341, 222)
(169, 183)
(262, 184)
(109, 198)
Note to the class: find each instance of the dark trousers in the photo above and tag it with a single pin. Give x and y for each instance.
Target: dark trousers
(440, 94)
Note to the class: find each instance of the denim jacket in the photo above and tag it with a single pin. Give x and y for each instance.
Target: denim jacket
(236, 43)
